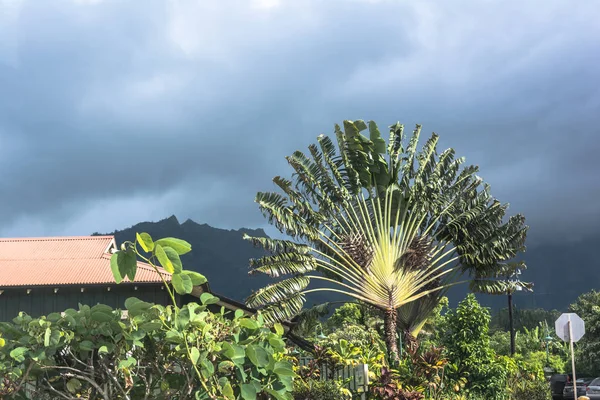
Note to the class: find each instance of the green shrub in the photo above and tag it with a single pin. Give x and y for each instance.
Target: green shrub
(468, 349)
(531, 390)
(320, 390)
(156, 351)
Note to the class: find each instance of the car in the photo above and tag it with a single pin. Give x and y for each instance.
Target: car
(557, 384)
(593, 390)
(582, 385)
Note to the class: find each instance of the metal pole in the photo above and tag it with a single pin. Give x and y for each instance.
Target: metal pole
(510, 322)
(572, 359)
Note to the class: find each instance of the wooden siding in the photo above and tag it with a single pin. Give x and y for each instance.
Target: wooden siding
(43, 300)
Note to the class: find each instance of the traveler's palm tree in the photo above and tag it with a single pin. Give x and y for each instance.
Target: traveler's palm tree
(383, 223)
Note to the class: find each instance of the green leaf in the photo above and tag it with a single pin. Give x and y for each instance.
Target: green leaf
(86, 345)
(194, 355)
(174, 258)
(248, 391)
(234, 352)
(103, 350)
(114, 266)
(130, 264)
(284, 368)
(248, 323)
(163, 259)
(225, 366)
(180, 246)
(278, 328)
(182, 284)
(238, 314)
(257, 355)
(226, 389)
(276, 394)
(18, 353)
(150, 326)
(73, 385)
(130, 362)
(47, 337)
(197, 279)
(207, 299)
(2, 342)
(145, 240)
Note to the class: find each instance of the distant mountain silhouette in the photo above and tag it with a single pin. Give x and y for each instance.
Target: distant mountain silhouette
(219, 254)
(560, 272)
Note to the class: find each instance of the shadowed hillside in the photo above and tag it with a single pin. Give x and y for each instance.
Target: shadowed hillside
(219, 254)
(560, 273)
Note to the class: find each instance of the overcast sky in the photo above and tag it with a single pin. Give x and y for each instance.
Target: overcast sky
(115, 112)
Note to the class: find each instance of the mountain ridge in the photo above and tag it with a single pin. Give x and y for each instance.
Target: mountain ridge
(559, 273)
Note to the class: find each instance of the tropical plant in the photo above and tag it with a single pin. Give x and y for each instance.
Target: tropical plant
(587, 307)
(381, 222)
(467, 344)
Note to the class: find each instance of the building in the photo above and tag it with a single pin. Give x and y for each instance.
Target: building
(51, 274)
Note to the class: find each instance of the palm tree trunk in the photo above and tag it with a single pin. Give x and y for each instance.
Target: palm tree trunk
(391, 334)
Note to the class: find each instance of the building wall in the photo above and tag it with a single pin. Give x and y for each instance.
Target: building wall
(43, 300)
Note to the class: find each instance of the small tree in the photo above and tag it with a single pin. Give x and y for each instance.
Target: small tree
(587, 307)
(467, 341)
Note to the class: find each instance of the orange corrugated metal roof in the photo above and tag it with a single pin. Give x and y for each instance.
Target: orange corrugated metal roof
(75, 260)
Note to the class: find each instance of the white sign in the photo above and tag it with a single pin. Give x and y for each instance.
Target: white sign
(562, 327)
(570, 328)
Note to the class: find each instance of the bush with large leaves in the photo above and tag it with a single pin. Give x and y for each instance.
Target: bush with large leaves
(155, 352)
(385, 223)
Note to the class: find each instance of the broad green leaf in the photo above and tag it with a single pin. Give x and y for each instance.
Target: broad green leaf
(101, 316)
(194, 355)
(136, 306)
(284, 368)
(277, 395)
(123, 263)
(86, 345)
(208, 369)
(207, 299)
(150, 326)
(238, 314)
(47, 337)
(114, 266)
(174, 258)
(225, 366)
(278, 328)
(226, 389)
(257, 355)
(249, 323)
(163, 259)
(182, 283)
(18, 353)
(2, 342)
(197, 279)
(180, 246)
(145, 240)
(248, 391)
(103, 350)
(234, 352)
(73, 385)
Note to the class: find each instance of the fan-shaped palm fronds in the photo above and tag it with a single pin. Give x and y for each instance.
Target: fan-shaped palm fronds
(382, 223)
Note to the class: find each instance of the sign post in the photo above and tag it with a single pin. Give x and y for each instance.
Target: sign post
(570, 328)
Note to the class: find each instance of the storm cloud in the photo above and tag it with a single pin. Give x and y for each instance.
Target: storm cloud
(113, 112)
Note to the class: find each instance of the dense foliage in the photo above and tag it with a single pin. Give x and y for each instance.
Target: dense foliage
(153, 353)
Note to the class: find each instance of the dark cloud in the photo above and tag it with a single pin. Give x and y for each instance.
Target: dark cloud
(111, 113)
